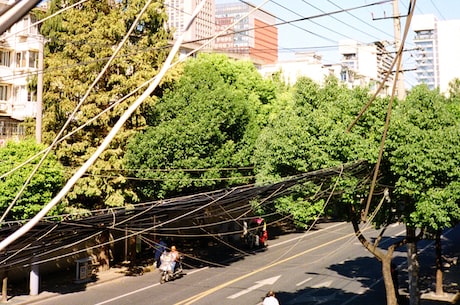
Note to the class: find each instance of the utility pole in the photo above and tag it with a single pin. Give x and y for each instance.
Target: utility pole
(400, 89)
(39, 114)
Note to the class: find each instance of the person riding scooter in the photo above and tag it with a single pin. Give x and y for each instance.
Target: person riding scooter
(175, 257)
(170, 267)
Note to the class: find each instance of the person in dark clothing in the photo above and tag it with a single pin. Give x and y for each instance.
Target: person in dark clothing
(160, 247)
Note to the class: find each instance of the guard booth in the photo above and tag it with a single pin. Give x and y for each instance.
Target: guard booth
(84, 270)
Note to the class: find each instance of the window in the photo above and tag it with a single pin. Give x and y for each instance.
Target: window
(33, 59)
(26, 59)
(24, 26)
(22, 94)
(4, 92)
(5, 58)
(31, 96)
(21, 59)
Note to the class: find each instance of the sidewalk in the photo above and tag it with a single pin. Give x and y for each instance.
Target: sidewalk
(57, 286)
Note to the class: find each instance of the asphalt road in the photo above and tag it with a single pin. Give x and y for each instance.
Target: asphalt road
(325, 266)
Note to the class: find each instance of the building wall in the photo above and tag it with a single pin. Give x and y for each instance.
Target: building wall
(253, 35)
(304, 65)
(366, 65)
(449, 52)
(438, 46)
(426, 58)
(19, 56)
(180, 12)
(265, 42)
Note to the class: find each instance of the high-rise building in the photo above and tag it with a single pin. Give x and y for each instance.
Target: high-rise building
(179, 13)
(254, 35)
(426, 58)
(436, 57)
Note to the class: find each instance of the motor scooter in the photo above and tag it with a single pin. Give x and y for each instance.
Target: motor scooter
(166, 271)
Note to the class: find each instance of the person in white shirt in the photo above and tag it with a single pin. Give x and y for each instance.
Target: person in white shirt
(270, 299)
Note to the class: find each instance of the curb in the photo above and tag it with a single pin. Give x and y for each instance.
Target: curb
(105, 276)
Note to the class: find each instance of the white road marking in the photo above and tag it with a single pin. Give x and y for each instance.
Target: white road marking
(141, 289)
(269, 281)
(325, 284)
(303, 282)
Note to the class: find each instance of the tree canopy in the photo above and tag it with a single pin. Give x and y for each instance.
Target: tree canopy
(202, 131)
(310, 133)
(41, 189)
(424, 158)
(79, 43)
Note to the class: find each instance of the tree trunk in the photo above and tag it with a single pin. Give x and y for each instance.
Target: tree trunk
(4, 286)
(384, 258)
(413, 267)
(439, 271)
(103, 256)
(388, 279)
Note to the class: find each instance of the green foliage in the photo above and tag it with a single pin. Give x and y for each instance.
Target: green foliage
(79, 43)
(203, 129)
(301, 205)
(42, 188)
(310, 132)
(424, 158)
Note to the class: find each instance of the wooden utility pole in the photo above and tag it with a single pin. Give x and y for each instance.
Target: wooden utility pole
(400, 89)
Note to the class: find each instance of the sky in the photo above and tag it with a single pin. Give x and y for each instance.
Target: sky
(365, 25)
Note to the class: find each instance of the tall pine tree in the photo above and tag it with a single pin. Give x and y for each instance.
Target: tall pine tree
(79, 43)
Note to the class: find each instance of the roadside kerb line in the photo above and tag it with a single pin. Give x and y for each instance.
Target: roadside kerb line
(201, 295)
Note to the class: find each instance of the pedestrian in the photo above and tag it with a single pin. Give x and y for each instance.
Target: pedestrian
(159, 249)
(270, 299)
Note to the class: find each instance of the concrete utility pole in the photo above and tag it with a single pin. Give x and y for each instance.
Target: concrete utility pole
(400, 89)
(39, 115)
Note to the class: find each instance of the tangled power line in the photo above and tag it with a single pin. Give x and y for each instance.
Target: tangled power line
(198, 215)
(43, 237)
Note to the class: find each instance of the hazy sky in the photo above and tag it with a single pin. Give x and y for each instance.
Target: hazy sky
(323, 34)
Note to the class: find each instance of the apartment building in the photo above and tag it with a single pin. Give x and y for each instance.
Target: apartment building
(366, 65)
(246, 32)
(19, 59)
(437, 49)
(179, 13)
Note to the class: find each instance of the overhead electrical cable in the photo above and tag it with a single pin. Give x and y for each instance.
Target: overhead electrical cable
(357, 18)
(15, 13)
(166, 66)
(105, 143)
(43, 20)
(184, 206)
(72, 115)
(287, 22)
(437, 10)
(314, 22)
(390, 105)
(348, 25)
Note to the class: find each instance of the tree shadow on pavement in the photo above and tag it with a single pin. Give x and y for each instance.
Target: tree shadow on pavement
(329, 296)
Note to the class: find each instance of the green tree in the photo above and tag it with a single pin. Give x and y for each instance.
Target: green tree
(309, 133)
(423, 159)
(79, 43)
(41, 189)
(202, 131)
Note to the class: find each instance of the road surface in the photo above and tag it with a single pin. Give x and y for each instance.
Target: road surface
(324, 266)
